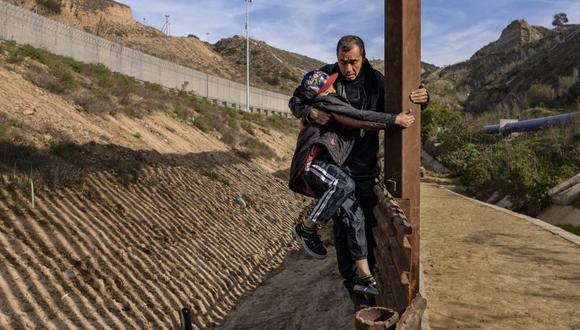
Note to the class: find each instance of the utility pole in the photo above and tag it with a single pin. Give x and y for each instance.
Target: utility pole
(166, 27)
(247, 56)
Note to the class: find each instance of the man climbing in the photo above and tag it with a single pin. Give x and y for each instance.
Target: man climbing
(363, 87)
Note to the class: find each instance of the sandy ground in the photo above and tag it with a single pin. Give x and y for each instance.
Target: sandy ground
(308, 294)
(485, 269)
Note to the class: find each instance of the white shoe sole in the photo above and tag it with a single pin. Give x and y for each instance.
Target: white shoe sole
(301, 241)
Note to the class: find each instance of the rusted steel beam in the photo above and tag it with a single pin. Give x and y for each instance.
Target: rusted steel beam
(403, 147)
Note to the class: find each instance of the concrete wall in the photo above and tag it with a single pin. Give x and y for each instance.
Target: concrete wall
(25, 27)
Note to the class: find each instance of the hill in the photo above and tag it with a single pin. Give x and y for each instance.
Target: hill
(271, 66)
(528, 72)
(425, 67)
(122, 202)
(499, 78)
(272, 69)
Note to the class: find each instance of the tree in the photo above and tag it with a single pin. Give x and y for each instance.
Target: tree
(560, 19)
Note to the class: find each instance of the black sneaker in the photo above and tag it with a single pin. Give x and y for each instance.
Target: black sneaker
(311, 242)
(366, 285)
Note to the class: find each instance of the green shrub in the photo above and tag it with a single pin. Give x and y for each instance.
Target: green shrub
(182, 113)
(202, 123)
(213, 175)
(51, 7)
(246, 126)
(540, 94)
(15, 56)
(68, 151)
(437, 117)
(570, 228)
(255, 148)
(64, 75)
(234, 124)
(36, 54)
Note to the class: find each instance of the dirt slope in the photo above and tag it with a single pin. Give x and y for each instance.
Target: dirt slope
(114, 21)
(486, 269)
(272, 69)
(308, 294)
(200, 226)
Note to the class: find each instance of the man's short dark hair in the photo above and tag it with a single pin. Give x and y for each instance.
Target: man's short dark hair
(347, 43)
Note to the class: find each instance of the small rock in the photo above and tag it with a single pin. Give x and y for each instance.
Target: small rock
(69, 274)
(241, 201)
(245, 271)
(101, 286)
(126, 307)
(28, 112)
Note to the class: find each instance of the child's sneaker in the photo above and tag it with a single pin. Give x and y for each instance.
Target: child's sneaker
(367, 285)
(310, 241)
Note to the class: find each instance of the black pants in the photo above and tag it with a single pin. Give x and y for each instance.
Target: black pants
(336, 191)
(365, 195)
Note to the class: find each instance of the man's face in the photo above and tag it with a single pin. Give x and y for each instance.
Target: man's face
(350, 63)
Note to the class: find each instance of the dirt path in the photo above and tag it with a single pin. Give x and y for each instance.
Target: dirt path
(308, 294)
(486, 269)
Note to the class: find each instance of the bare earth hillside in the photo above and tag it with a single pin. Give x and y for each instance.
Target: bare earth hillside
(114, 21)
(272, 69)
(197, 226)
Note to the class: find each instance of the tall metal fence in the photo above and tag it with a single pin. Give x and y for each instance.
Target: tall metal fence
(26, 27)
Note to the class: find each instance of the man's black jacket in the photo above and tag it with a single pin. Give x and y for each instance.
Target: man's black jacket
(338, 137)
(361, 160)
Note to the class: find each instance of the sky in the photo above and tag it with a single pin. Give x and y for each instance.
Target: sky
(452, 30)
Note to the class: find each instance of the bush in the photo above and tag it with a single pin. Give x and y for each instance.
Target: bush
(64, 76)
(182, 113)
(51, 7)
(213, 175)
(36, 54)
(540, 94)
(246, 126)
(15, 56)
(68, 151)
(570, 228)
(255, 148)
(202, 123)
(437, 117)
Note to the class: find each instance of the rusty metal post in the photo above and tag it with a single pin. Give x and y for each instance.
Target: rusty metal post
(403, 147)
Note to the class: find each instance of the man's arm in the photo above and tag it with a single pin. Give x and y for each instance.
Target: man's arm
(348, 116)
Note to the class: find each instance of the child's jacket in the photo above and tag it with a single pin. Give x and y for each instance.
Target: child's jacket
(337, 137)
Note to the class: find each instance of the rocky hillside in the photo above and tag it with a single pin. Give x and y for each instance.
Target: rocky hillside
(270, 66)
(517, 34)
(425, 67)
(527, 66)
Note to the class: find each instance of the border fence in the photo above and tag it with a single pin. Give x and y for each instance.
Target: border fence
(26, 27)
